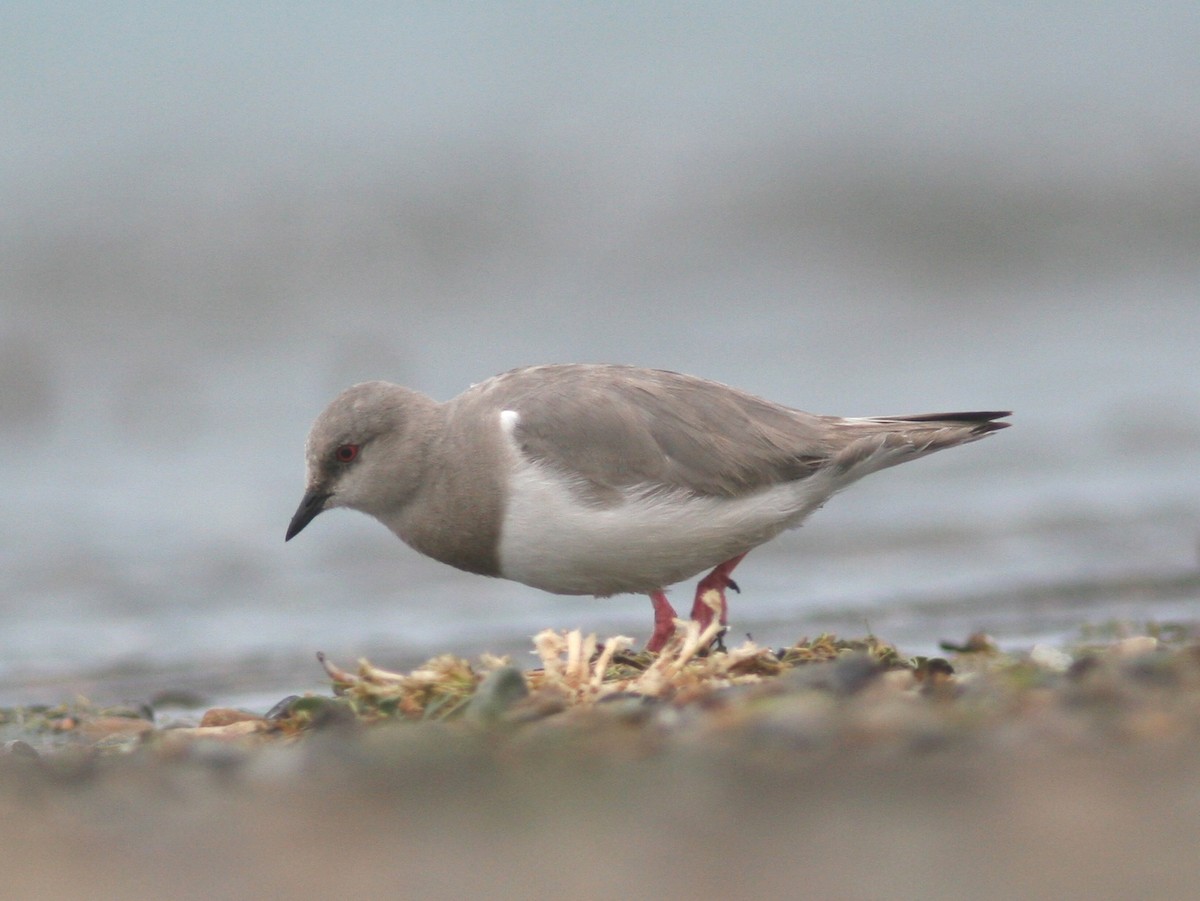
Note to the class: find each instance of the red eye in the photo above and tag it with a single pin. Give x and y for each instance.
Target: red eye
(347, 453)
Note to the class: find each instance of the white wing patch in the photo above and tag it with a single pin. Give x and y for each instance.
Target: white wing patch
(509, 420)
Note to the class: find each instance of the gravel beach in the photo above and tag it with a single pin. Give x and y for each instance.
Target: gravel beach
(835, 769)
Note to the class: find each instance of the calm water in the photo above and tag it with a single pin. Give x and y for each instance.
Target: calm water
(192, 269)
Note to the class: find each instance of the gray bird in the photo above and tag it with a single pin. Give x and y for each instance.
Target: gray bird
(598, 479)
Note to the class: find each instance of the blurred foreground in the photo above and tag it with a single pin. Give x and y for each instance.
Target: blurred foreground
(849, 774)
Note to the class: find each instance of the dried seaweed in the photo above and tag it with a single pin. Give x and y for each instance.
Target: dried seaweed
(861, 689)
(577, 671)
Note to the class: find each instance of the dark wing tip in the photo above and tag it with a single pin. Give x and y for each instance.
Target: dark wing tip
(991, 426)
(984, 421)
(973, 416)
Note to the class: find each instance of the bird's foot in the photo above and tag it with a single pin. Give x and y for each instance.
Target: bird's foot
(664, 622)
(717, 645)
(710, 593)
(710, 602)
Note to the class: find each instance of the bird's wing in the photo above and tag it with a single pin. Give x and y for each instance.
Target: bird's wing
(615, 428)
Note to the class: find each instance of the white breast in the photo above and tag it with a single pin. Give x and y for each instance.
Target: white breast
(553, 540)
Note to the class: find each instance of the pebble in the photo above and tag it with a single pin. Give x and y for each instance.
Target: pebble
(1051, 658)
(98, 728)
(496, 694)
(1132, 647)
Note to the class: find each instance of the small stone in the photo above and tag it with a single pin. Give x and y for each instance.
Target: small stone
(629, 707)
(223, 716)
(976, 643)
(936, 676)
(99, 728)
(1156, 668)
(139, 710)
(844, 676)
(283, 709)
(1051, 658)
(498, 692)
(317, 711)
(18, 748)
(1083, 667)
(1133, 647)
(174, 739)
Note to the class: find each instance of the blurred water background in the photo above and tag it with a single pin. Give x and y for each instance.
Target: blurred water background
(214, 217)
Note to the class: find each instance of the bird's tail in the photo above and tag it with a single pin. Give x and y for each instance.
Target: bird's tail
(877, 442)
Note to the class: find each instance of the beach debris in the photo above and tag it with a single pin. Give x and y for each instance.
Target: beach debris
(1136, 687)
(579, 671)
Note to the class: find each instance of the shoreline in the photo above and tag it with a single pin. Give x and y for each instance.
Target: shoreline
(835, 768)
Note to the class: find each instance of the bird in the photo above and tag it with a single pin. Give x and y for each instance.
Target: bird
(600, 479)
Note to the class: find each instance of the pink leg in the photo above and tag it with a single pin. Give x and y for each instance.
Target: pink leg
(718, 580)
(664, 621)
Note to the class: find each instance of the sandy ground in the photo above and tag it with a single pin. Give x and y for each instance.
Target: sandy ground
(1008, 779)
